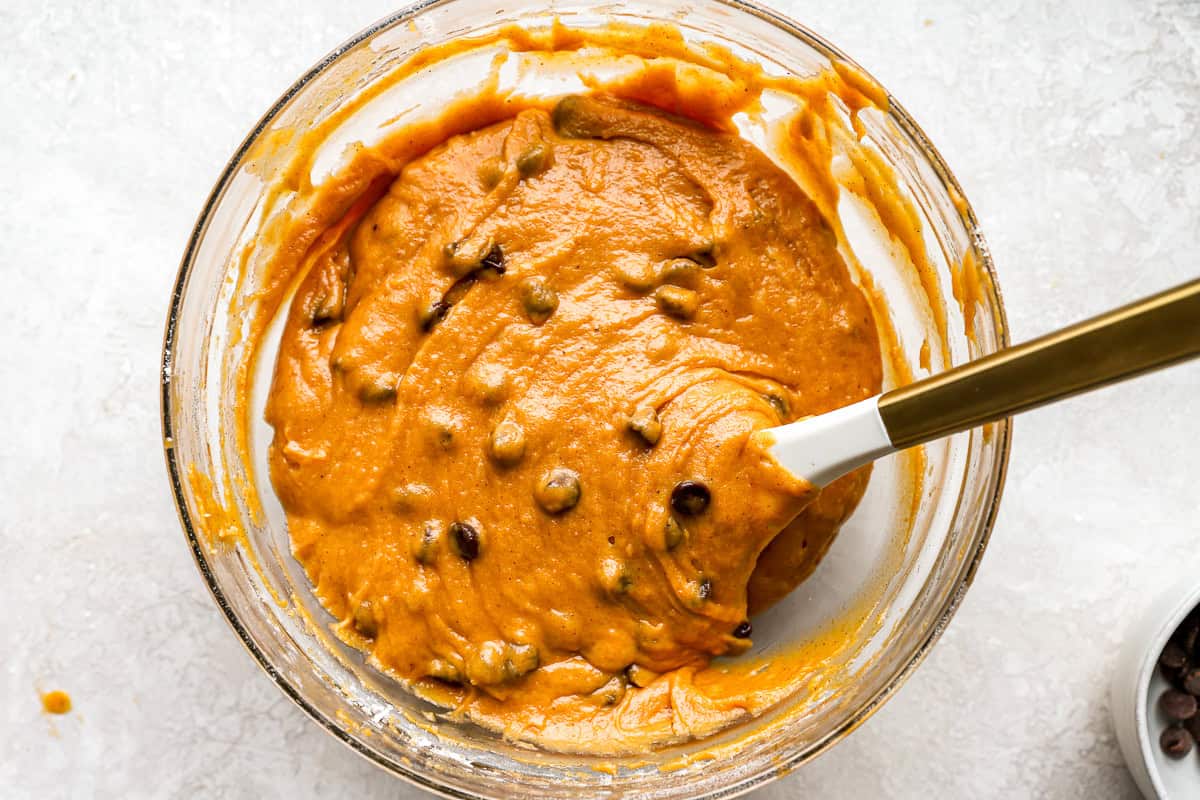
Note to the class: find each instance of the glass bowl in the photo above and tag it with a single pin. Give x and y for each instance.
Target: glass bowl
(870, 612)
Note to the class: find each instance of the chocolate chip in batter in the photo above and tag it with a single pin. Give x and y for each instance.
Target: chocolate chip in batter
(538, 299)
(466, 540)
(492, 263)
(406, 496)
(442, 427)
(673, 533)
(486, 665)
(484, 256)
(570, 120)
(690, 498)
(459, 259)
(706, 258)
(508, 443)
(428, 542)
(1175, 742)
(490, 171)
(638, 275)
(445, 671)
(644, 422)
(487, 381)
(639, 676)
(520, 659)
(743, 630)
(614, 577)
(678, 302)
(364, 619)
(779, 404)
(611, 693)
(377, 390)
(432, 314)
(680, 272)
(533, 159)
(558, 490)
(327, 309)
(1177, 705)
(496, 662)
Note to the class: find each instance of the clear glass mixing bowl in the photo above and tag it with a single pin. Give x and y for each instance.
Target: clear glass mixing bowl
(888, 587)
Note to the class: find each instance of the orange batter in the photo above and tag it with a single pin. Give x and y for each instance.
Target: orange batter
(512, 409)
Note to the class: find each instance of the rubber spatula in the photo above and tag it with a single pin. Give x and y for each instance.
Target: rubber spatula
(1130, 341)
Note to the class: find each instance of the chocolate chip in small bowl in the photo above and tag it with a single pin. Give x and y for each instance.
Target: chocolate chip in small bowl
(1179, 664)
(1155, 699)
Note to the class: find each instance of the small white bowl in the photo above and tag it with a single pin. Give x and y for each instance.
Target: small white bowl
(1136, 687)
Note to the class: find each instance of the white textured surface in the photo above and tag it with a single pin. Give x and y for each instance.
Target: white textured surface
(1073, 128)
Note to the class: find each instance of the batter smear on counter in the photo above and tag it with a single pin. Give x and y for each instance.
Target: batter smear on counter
(512, 411)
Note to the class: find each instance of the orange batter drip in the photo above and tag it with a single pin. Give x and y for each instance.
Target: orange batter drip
(497, 369)
(56, 702)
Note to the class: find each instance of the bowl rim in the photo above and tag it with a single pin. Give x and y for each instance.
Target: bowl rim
(1002, 431)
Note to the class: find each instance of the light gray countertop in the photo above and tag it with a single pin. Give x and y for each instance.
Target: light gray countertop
(1074, 128)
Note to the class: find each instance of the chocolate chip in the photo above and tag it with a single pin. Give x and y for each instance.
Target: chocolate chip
(425, 545)
(326, 310)
(1188, 637)
(432, 314)
(614, 577)
(679, 272)
(494, 260)
(611, 693)
(644, 422)
(1175, 742)
(507, 443)
(677, 302)
(690, 498)
(538, 299)
(704, 258)
(558, 490)
(466, 540)
(639, 676)
(1193, 726)
(1177, 705)
(1191, 681)
(780, 404)
(521, 659)
(571, 119)
(1173, 657)
(445, 671)
(533, 160)
(406, 496)
(743, 630)
(467, 256)
(379, 390)
(490, 171)
(364, 620)
(673, 533)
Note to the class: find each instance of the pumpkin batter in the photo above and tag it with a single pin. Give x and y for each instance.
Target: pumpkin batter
(512, 408)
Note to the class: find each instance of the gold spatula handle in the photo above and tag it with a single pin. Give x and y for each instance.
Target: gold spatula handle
(1140, 337)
